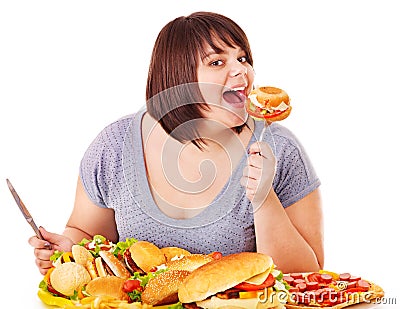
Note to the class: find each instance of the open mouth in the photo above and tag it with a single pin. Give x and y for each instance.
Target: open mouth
(235, 97)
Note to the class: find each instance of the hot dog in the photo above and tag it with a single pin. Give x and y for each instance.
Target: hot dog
(242, 280)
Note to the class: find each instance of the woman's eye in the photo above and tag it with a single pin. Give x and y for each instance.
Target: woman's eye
(242, 59)
(217, 63)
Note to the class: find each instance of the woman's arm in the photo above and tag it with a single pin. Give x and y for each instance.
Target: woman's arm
(292, 236)
(88, 219)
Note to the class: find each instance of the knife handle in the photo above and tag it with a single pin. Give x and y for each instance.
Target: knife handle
(37, 232)
(35, 228)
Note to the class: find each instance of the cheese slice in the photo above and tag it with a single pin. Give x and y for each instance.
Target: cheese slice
(260, 278)
(253, 99)
(281, 107)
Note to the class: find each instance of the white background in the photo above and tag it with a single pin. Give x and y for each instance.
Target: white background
(69, 68)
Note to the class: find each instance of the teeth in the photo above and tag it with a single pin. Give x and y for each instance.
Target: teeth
(238, 89)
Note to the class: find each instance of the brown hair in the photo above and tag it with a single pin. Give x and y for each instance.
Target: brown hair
(172, 93)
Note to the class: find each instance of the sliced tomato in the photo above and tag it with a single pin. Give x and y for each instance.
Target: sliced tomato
(131, 285)
(244, 286)
(259, 113)
(314, 277)
(216, 255)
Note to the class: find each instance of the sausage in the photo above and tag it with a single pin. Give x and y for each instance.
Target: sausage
(363, 284)
(326, 278)
(301, 286)
(297, 281)
(311, 286)
(354, 278)
(344, 277)
(296, 275)
(288, 279)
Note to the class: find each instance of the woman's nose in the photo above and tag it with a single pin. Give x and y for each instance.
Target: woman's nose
(238, 69)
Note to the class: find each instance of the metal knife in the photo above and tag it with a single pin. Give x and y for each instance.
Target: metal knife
(24, 210)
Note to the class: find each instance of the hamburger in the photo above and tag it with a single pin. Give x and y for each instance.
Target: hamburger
(106, 264)
(162, 289)
(111, 286)
(143, 257)
(241, 280)
(73, 270)
(67, 278)
(268, 103)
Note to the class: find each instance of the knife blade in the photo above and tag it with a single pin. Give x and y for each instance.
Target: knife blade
(24, 210)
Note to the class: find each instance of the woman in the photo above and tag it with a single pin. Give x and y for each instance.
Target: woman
(188, 170)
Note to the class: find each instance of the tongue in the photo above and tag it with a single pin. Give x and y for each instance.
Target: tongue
(234, 97)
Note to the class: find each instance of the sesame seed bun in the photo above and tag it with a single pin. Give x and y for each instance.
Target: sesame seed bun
(189, 262)
(222, 274)
(163, 289)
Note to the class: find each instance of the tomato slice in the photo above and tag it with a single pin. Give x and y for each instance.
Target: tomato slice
(245, 286)
(314, 277)
(132, 284)
(216, 255)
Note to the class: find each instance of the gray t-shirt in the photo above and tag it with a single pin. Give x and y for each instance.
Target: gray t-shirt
(113, 174)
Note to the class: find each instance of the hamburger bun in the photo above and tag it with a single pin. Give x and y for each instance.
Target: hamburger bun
(173, 252)
(268, 103)
(69, 277)
(163, 289)
(146, 255)
(81, 255)
(222, 274)
(107, 286)
(189, 262)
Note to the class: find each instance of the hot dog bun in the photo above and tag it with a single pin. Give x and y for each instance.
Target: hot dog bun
(222, 274)
(189, 262)
(268, 103)
(163, 289)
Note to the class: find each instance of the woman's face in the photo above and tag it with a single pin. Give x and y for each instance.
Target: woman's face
(225, 79)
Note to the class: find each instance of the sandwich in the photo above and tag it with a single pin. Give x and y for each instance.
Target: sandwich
(268, 103)
(242, 280)
(143, 257)
(106, 264)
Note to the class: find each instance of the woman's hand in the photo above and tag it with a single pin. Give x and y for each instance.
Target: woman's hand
(44, 249)
(259, 173)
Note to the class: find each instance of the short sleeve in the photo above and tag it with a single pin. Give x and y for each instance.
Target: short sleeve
(101, 166)
(295, 177)
(90, 167)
